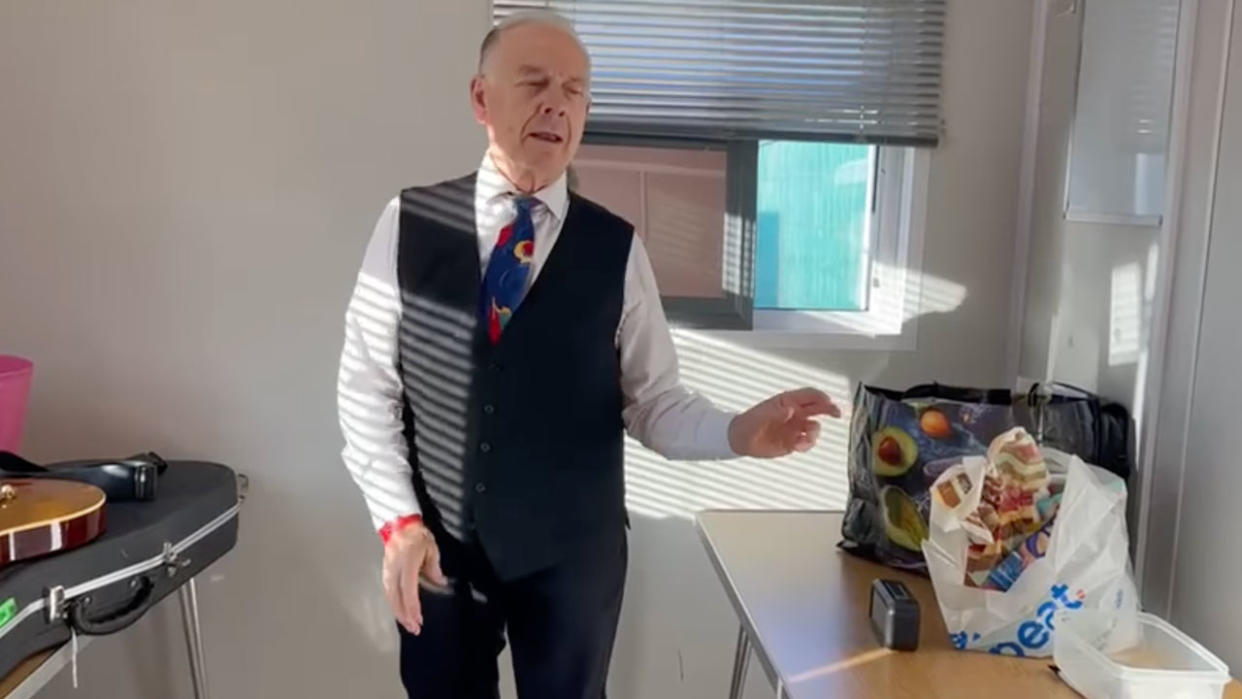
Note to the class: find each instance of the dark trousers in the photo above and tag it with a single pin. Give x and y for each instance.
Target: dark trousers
(560, 622)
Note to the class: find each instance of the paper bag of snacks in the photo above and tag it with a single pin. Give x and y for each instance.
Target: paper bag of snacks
(1011, 544)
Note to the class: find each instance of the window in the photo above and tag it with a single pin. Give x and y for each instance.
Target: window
(832, 241)
(769, 153)
(814, 219)
(1120, 137)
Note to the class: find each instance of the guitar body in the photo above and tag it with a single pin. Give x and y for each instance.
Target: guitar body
(39, 516)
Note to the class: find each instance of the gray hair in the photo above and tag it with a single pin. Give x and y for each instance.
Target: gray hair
(545, 17)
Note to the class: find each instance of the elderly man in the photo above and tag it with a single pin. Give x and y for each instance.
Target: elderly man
(502, 334)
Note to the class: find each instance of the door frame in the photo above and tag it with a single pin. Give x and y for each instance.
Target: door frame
(1205, 39)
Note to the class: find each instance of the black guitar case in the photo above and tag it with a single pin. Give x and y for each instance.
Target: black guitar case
(152, 545)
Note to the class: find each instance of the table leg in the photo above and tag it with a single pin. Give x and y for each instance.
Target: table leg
(188, 595)
(741, 659)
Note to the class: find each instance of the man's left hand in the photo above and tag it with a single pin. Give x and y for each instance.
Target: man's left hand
(781, 424)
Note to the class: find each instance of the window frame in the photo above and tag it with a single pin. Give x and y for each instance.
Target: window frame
(734, 310)
(895, 234)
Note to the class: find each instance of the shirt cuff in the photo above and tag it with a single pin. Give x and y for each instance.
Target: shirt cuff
(387, 531)
(714, 435)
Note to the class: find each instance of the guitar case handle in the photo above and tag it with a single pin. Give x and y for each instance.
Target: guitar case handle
(80, 619)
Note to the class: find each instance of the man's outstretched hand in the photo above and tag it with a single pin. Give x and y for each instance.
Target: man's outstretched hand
(781, 424)
(411, 553)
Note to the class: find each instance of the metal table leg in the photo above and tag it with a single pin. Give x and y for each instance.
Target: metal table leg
(188, 595)
(741, 658)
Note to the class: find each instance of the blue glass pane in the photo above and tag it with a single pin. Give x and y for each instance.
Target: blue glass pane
(812, 224)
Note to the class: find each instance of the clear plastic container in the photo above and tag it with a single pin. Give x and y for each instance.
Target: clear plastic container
(1165, 663)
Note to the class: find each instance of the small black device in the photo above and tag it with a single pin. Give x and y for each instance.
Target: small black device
(894, 615)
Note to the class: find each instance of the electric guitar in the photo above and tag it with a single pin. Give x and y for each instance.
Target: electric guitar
(39, 516)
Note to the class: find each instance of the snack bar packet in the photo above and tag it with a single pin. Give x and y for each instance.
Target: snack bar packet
(1014, 503)
(1006, 573)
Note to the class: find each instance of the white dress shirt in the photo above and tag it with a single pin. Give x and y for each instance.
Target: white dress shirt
(658, 411)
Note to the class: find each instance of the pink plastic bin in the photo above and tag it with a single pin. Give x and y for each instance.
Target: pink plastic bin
(15, 376)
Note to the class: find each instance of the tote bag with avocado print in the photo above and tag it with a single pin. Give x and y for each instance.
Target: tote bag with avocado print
(901, 441)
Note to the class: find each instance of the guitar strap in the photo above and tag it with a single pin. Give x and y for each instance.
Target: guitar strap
(128, 479)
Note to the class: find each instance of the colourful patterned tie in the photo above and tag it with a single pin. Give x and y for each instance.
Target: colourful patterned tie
(504, 282)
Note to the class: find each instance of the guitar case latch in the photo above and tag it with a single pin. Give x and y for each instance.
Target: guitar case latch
(173, 562)
(54, 601)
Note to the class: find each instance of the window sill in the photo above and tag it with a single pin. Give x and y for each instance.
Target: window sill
(906, 341)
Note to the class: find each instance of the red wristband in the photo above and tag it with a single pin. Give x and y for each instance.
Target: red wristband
(390, 528)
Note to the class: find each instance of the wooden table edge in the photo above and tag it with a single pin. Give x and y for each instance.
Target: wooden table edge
(23, 670)
(745, 619)
(1233, 690)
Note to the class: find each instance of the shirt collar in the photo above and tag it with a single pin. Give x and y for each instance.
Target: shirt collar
(492, 186)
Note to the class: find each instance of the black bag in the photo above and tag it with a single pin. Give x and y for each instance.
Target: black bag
(149, 549)
(900, 442)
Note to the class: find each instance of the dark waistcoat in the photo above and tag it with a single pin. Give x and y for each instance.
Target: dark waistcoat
(517, 445)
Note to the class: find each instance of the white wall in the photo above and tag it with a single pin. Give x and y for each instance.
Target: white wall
(1186, 576)
(1090, 288)
(1097, 285)
(185, 190)
(1177, 373)
(1087, 305)
(1204, 575)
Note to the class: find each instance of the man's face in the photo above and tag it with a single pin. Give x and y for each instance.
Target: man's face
(532, 97)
